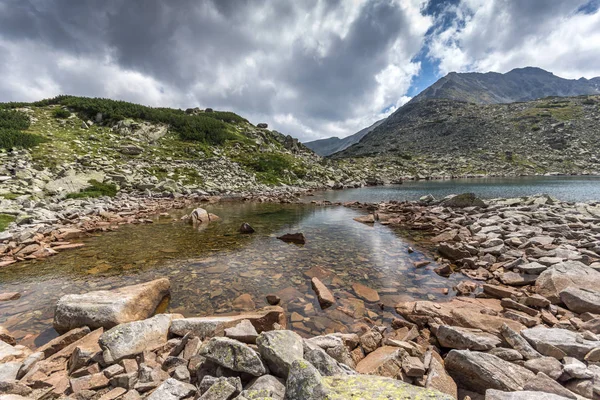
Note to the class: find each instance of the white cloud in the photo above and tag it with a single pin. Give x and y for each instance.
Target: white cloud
(499, 35)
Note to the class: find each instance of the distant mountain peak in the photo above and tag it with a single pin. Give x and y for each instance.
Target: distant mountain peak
(519, 84)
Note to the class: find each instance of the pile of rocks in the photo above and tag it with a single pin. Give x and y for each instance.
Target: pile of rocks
(535, 262)
(112, 349)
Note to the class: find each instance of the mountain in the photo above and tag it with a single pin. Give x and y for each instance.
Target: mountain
(325, 147)
(442, 137)
(520, 84)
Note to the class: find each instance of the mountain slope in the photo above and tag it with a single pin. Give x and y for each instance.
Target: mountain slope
(325, 147)
(59, 147)
(520, 84)
(440, 137)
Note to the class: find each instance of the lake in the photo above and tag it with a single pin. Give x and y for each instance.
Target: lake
(566, 188)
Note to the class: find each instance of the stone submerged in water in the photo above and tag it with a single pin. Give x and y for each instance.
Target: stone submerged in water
(246, 228)
(109, 308)
(297, 238)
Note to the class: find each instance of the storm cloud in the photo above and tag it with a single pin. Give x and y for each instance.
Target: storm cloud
(311, 68)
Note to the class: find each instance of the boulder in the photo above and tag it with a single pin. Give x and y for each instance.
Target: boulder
(324, 363)
(306, 383)
(455, 337)
(464, 312)
(203, 327)
(279, 349)
(201, 216)
(493, 394)
(581, 300)
(550, 366)
(244, 332)
(385, 361)
(543, 383)
(563, 275)
(481, 371)
(438, 378)
(453, 251)
(463, 200)
(518, 343)
(134, 337)
(267, 386)
(571, 343)
(172, 389)
(234, 355)
(109, 308)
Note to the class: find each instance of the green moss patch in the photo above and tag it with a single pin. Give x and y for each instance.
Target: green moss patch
(96, 189)
(5, 220)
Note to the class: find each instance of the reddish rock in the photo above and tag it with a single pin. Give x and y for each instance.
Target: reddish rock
(385, 361)
(365, 292)
(324, 295)
(244, 302)
(9, 296)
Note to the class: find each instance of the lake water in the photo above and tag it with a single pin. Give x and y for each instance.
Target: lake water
(212, 266)
(566, 188)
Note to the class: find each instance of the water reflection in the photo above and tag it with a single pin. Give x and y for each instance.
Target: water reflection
(211, 267)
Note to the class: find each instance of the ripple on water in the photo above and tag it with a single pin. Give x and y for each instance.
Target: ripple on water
(212, 266)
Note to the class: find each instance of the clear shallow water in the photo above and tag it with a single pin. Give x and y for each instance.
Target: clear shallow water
(210, 267)
(574, 189)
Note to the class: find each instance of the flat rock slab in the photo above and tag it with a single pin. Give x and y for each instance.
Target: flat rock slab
(109, 308)
(481, 371)
(493, 394)
(262, 320)
(365, 292)
(455, 337)
(464, 312)
(572, 343)
(135, 337)
(564, 275)
(516, 279)
(581, 300)
(532, 268)
(376, 387)
(324, 295)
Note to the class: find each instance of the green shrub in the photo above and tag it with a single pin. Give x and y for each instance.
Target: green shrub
(61, 113)
(96, 189)
(13, 120)
(204, 127)
(10, 138)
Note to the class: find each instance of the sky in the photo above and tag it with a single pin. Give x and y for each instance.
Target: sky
(309, 68)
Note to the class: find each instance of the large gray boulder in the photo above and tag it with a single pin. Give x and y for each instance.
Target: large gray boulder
(581, 300)
(572, 343)
(234, 355)
(109, 308)
(564, 275)
(455, 337)
(306, 383)
(481, 371)
(279, 349)
(134, 337)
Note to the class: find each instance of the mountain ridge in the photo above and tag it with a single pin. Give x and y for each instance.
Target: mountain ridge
(328, 146)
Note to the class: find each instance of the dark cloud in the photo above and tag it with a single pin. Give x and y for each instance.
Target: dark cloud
(313, 68)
